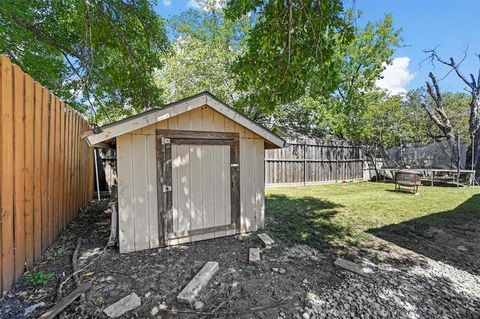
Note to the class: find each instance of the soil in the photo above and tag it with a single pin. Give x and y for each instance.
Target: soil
(278, 284)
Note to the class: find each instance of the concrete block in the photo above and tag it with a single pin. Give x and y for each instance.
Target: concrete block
(191, 291)
(267, 241)
(122, 306)
(254, 255)
(353, 267)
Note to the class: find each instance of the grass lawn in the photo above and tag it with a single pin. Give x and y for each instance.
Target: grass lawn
(351, 213)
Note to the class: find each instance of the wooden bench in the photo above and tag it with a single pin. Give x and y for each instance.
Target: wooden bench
(409, 178)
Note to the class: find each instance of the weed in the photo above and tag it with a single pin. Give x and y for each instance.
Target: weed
(38, 278)
(51, 253)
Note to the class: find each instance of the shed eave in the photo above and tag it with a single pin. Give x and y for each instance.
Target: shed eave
(147, 118)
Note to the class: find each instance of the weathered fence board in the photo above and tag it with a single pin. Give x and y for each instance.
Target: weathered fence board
(46, 170)
(311, 161)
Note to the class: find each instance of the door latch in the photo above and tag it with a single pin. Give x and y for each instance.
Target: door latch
(167, 188)
(165, 140)
(234, 165)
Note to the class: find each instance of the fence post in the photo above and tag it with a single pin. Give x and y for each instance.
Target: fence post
(304, 163)
(336, 163)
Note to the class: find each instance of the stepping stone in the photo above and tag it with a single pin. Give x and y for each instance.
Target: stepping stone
(267, 241)
(254, 255)
(191, 291)
(353, 267)
(122, 306)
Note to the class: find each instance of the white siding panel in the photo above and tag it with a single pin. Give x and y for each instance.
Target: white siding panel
(125, 194)
(152, 190)
(181, 164)
(259, 184)
(140, 192)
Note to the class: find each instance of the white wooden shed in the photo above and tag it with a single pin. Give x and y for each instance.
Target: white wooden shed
(192, 170)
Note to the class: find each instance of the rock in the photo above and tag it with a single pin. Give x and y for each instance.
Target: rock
(191, 291)
(163, 306)
(31, 309)
(154, 311)
(122, 306)
(306, 315)
(282, 271)
(462, 248)
(353, 267)
(267, 241)
(198, 306)
(254, 255)
(148, 294)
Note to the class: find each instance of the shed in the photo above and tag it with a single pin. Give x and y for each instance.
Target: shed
(189, 171)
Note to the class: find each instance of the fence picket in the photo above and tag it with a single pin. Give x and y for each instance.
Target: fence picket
(38, 136)
(310, 161)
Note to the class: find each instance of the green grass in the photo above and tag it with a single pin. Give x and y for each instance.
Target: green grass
(343, 214)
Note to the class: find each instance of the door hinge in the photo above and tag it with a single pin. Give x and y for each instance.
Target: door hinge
(167, 188)
(234, 165)
(165, 140)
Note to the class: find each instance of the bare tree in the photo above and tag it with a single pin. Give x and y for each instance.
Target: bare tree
(438, 114)
(473, 88)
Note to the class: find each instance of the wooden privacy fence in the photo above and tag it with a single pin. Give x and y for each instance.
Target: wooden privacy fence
(312, 161)
(46, 170)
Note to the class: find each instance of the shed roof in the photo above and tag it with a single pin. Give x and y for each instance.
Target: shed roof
(110, 131)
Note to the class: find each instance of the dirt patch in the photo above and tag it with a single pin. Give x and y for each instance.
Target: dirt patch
(281, 284)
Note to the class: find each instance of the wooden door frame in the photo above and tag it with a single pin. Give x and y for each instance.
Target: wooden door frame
(164, 140)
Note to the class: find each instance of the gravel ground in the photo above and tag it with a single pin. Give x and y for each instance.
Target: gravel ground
(415, 287)
(289, 282)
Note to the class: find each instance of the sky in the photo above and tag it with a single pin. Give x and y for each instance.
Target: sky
(449, 26)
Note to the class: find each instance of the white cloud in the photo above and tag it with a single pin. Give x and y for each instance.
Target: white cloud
(167, 2)
(396, 76)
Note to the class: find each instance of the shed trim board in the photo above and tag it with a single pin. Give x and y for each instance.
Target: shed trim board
(173, 109)
(165, 139)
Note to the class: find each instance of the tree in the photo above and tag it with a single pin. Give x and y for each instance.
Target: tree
(438, 114)
(100, 53)
(473, 89)
(291, 44)
(356, 67)
(206, 45)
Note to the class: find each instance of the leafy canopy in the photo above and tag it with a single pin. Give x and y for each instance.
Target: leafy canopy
(291, 45)
(206, 45)
(100, 53)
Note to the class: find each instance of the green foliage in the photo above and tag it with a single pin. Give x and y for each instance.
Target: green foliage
(60, 251)
(348, 110)
(99, 53)
(206, 45)
(391, 120)
(39, 278)
(291, 46)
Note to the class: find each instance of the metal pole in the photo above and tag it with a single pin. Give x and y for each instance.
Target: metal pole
(96, 174)
(458, 161)
(472, 174)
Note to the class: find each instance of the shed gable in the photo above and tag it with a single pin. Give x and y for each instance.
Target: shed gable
(153, 117)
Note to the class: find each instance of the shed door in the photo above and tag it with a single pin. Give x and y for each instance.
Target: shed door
(198, 184)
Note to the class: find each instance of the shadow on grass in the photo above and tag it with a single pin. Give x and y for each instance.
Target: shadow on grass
(451, 236)
(305, 220)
